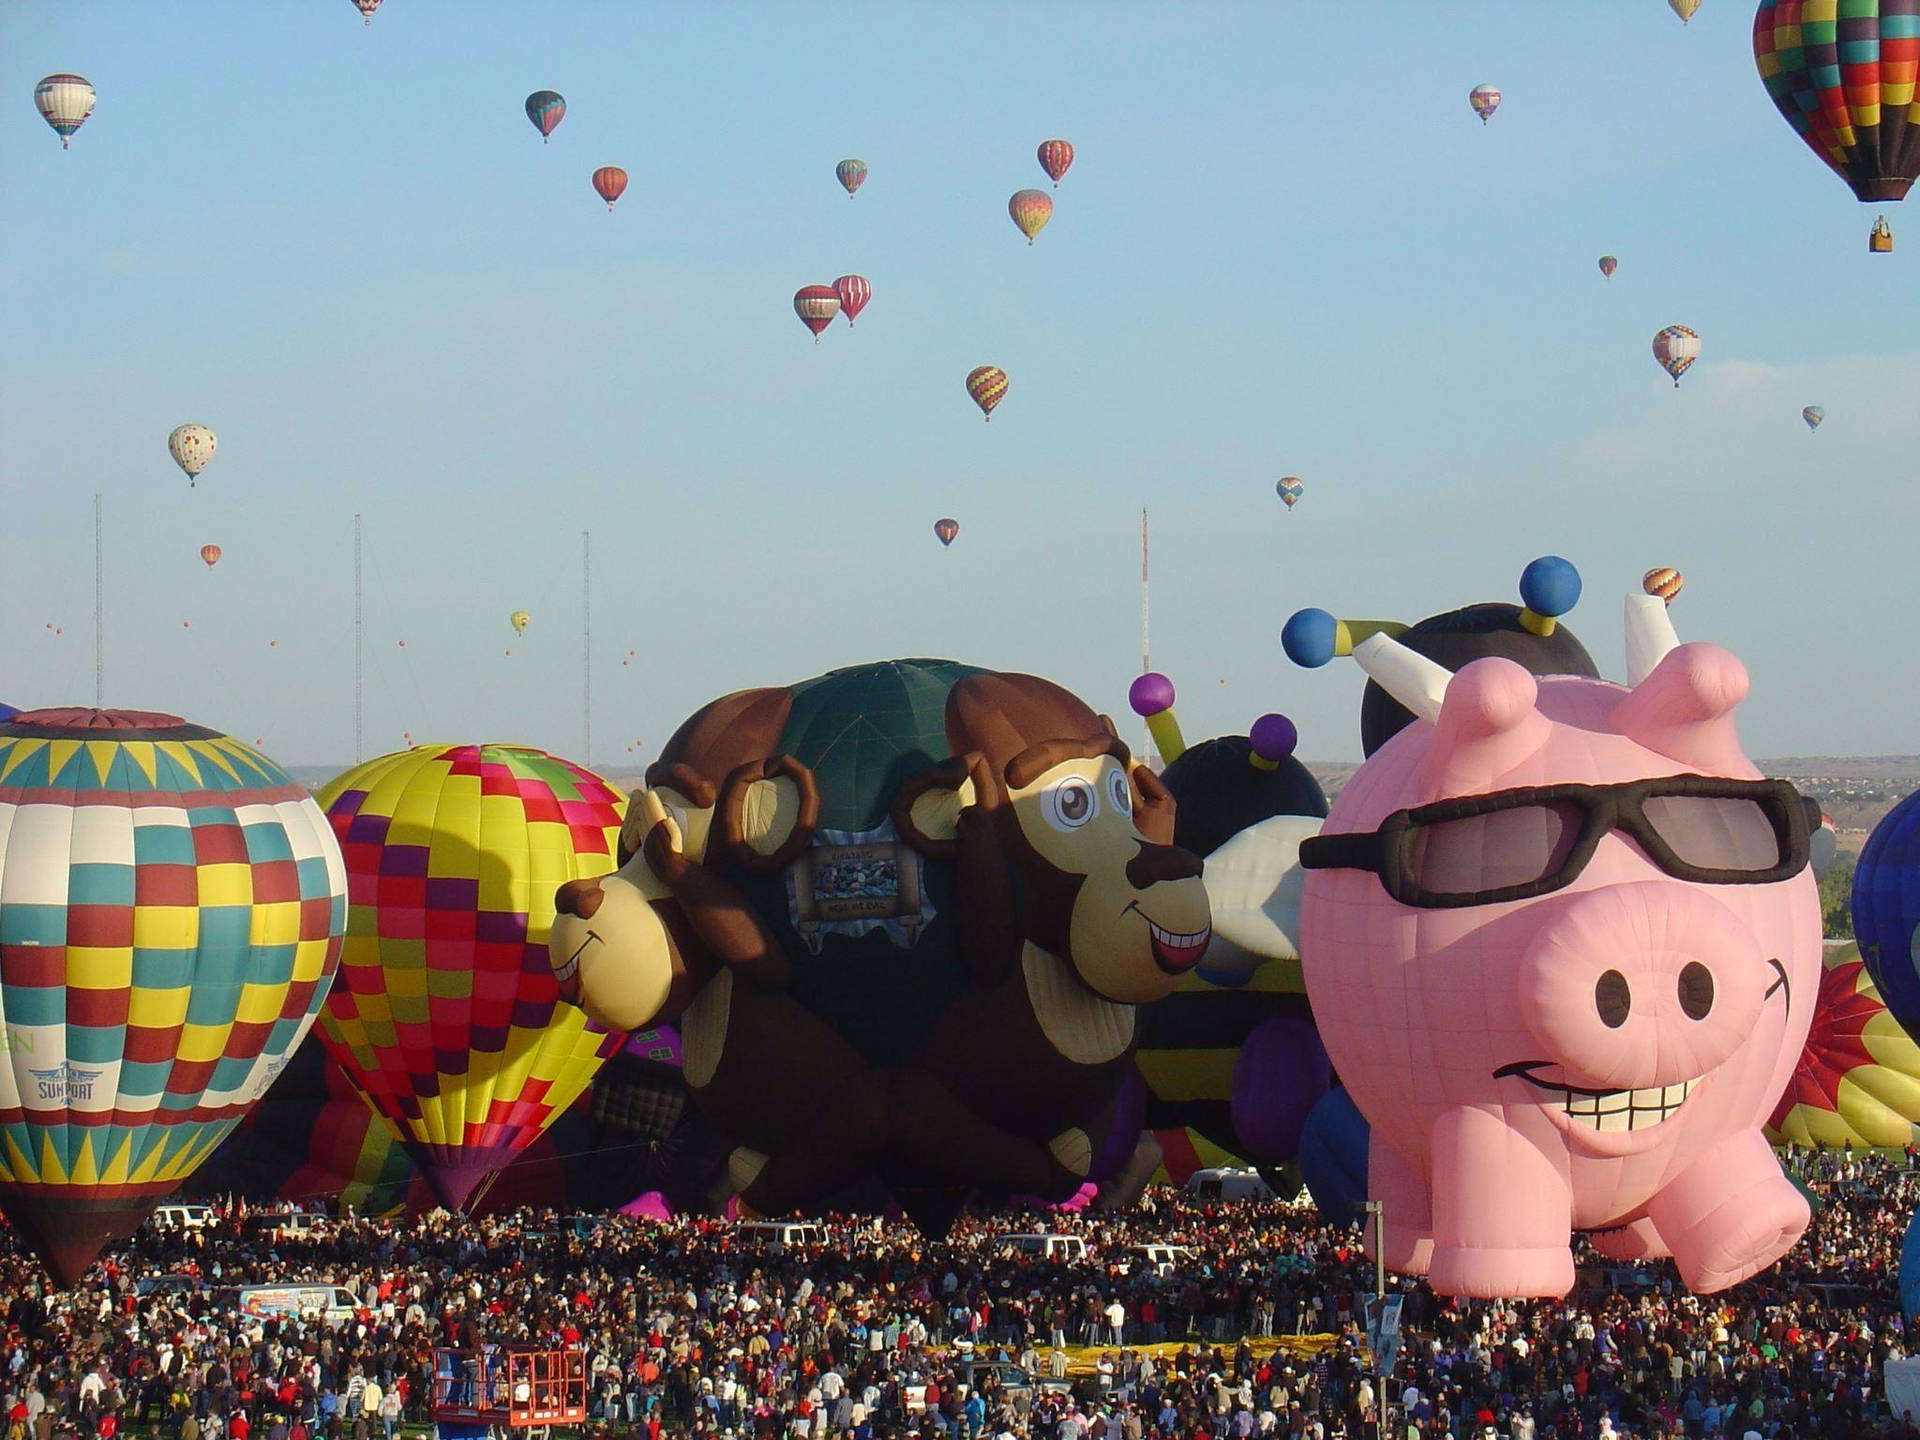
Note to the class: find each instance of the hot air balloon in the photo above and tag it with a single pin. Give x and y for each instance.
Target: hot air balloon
(192, 448)
(64, 102)
(1664, 581)
(1289, 489)
(1055, 157)
(447, 1016)
(816, 305)
(210, 554)
(1608, 265)
(154, 976)
(1813, 415)
(610, 183)
(947, 530)
(987, 384)
(853, 292)
(1886, 909)
(366, 8)
(1676, 348)
(546, 109)
(519, 619)
(1858, 1078)
(1485, 100)
(852, 174)
(1683, 8)
(1031, 210)
(1842, 76)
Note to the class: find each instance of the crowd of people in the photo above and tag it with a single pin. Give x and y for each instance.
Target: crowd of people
(712, 1329)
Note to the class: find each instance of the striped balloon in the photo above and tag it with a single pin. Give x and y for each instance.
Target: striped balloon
(816, 305)
(852, 174)
(447, 1015)
(366, 8)
(171, 911)
(1608, 265)
(987, 384)
(546, 109)
(64, 102)
(1031, 210)
(610, 183)
(1485, 100)
(1662, 580)
(211, 555)
(1055, 157)
(853, 292)
(1842, 74)
(1813, 415)
(1676, 348)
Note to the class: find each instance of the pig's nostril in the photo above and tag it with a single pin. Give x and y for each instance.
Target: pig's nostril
(579, 898)
(1613, 998)
(1696, 990)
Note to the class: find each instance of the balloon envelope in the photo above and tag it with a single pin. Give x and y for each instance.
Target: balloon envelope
(1813, 415)
(1608, 265)
(610, 183)
(1031, 210)
(853, 292)
(1858, 1078)
(546, 109)
(366, 8)
(1676, 348)
(519, 619)
(1055, 156)
(192, 448)
(946, 530)
(987, 384)
(172, 917)
(852, 174)
(1289, 489)
(1485, 100)
(1683, 8)
(64, 102)
(1886, 909)
(1664, 581)
(1842, 77)
(447, 1016)
(816, 305)
(210, 554)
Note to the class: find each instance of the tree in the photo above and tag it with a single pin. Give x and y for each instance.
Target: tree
(1836, 899)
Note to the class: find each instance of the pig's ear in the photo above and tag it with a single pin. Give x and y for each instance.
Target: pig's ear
(1684, 709)
(1487, 726)
(1254, 883)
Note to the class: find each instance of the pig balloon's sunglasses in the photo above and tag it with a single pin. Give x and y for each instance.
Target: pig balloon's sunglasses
(1516, 844)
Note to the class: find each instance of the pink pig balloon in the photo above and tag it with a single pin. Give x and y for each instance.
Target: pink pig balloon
(1596, 1057)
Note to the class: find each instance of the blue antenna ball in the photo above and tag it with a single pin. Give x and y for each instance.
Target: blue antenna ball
(1309, 638)
(1550, 586)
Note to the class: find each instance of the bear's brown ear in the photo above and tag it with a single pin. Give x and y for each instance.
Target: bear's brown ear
(767, 813)
(926, 809)
(1153, 807)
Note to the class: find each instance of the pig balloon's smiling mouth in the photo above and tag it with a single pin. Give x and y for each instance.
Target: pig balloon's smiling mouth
(1607, 1111)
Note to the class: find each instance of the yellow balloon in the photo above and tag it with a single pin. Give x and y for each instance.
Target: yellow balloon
(519, 619)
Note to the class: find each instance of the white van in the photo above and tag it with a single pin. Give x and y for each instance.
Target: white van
(272, 1225)
(183, 1217)
(332, 1304)
(784, 1234)
(1228, 1184)
(1065, 1248)
(1156, 1259)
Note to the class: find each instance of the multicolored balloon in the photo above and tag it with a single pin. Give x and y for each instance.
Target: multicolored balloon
(1031, 210)
(192, 448)
(546, 109)
(1289, 489)
(1676, 348)
(211, 554)
(1842, 75)
(610, 183)
(1813, 415)
(987, 384)
(447, 1016)
(1608, 265)
(170, 921)
(816, 305)
(1858, 1079)
(1683, 8)
(851, 174)
(64, 102)
(947, 530)
(366, 8)
(519, 619)
(1055, 157)
(1485, 99)
(853, 292)
(1664, 581)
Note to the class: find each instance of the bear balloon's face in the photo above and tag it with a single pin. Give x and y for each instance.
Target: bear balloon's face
(1138, 918)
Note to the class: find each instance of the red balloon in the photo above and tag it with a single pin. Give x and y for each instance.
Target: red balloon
(1055, 157)
(946, 529)
(210, 554)
(610, 182)
(854, 292)
(816, 305)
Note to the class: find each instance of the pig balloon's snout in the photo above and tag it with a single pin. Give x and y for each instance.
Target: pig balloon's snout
(579, 898)
(1642, 985)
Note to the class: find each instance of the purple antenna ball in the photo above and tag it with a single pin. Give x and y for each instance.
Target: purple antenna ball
(1273, 737)
(1150, 694)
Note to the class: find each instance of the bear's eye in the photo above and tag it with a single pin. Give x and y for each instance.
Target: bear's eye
(1120, 792)
(1070, 804)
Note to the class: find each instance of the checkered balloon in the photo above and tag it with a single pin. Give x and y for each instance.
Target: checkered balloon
(171, 911)
(447, 1015)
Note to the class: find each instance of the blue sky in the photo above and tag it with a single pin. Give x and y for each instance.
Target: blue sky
(1286, 247)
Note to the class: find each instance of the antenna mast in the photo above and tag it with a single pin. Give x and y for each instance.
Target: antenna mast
(359, 670)
(586, 648)
(99, 606)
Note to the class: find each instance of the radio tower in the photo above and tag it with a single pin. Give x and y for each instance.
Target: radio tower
(1146, 662)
